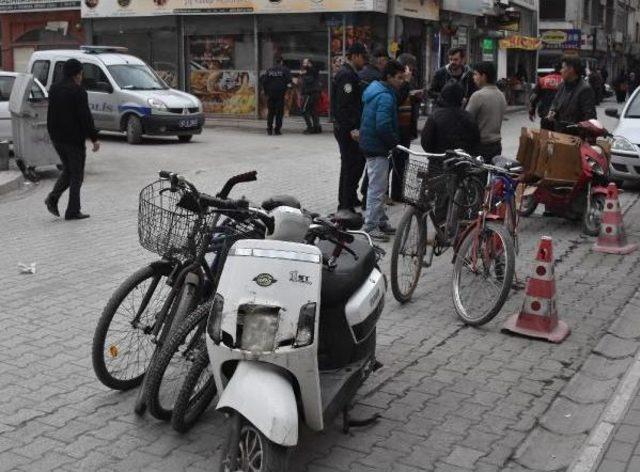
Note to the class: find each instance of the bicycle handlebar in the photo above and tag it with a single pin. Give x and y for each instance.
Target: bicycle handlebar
(237, 179)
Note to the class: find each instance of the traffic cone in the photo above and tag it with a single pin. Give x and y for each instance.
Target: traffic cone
(612, 238)
(538, 317)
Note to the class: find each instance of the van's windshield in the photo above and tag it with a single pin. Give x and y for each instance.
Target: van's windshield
(136, 77)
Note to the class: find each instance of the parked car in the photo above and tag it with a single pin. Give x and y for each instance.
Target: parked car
(125, 94)
(6, 86)
(625, 153)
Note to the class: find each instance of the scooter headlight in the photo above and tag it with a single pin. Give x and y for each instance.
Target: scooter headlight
(595, 167)
(259, 327)
(306, 325)
(214, 323)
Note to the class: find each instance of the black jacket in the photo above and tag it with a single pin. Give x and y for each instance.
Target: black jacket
(368, 74)
(449, 127)
(276, 80)
(443, 75)
(69, 118)
(310, 81)
(574, 102)
(346, 103)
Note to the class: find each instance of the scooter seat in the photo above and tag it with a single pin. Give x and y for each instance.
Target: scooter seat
(507, 163)
(281, 200)
(339, 284)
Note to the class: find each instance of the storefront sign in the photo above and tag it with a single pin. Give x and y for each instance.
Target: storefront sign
(123, 8)
(561, 39)
(421, 9)
(488, 47)
(16, 6)
(530, 4)
(461, 38)
(468, 7)
(520, 42)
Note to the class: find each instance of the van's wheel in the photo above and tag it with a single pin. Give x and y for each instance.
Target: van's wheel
(254, 452)
(185, 138)
(134, 130)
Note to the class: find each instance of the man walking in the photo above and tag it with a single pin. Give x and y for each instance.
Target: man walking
(543, 93)
(487, 106)
(347, 111)
(275, 83)
(310, 97)
(455, 71)
(70, 124)
(379, 134)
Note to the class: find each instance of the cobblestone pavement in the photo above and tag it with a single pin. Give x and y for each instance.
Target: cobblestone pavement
(451, 398)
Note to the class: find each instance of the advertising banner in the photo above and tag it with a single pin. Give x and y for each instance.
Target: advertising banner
(521, 42)
(561, 39)
(421, 9)
(468, 7)
(121, 8)
(16, 6)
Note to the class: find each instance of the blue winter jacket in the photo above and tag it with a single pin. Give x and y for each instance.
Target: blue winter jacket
(379, 125)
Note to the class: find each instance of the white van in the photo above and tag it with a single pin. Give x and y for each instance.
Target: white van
(125, 94)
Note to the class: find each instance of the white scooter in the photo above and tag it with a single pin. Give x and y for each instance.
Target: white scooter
(292, 335)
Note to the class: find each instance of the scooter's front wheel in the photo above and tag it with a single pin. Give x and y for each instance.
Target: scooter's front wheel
(592, 219)
(253, 450)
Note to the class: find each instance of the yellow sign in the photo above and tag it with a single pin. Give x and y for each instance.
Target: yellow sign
(521, 42)
(554, 37)
(125, 8)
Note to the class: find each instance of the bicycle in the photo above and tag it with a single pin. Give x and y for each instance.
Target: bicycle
(140, 313)
(483, 252)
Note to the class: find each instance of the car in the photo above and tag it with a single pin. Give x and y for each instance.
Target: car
(6, 86)
(625, 152)
(125, 94)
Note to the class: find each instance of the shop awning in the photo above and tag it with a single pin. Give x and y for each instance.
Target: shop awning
(521, 42)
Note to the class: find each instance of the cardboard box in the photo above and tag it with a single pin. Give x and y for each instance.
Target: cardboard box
(554, 157)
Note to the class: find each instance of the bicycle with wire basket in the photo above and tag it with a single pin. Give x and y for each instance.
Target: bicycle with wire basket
(174, 221)
(446, 190)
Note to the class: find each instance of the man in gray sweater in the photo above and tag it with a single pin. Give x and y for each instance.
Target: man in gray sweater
(487, 106)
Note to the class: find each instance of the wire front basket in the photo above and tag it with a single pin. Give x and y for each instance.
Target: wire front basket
(166, 228)
(416, 176)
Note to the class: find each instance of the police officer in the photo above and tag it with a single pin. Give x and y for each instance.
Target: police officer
(275, 83)
(347, 111)
(544, 92)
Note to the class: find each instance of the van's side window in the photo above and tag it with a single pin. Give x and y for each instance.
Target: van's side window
(58, 72)
(40, 70)
(94, 80)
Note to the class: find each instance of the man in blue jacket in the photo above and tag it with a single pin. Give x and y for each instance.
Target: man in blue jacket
(378, 136)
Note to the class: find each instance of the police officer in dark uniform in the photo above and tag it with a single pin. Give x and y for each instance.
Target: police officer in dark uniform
(347, 111)
(275, 83)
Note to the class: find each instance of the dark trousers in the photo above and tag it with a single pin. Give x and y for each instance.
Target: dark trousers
(351, 168)
(309, 105)
(399, 163)
(275, 106)
(489, 150)
(73, 157)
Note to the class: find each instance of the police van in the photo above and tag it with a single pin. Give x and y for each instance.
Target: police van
(125, 94)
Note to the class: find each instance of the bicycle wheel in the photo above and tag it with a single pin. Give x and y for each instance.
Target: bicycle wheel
(197, 392)
(408, 251)
(174, 361)
(122, 347)
(483, 274)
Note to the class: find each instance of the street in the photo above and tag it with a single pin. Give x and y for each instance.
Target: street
(451, 397)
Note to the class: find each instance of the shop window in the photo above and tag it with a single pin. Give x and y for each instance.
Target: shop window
(6, 84)
(40, 70)
(553, 9)
(93, 79)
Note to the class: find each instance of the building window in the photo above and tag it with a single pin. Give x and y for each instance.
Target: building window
(552, 9)
(586, 7)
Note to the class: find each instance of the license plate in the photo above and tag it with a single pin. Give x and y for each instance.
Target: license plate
(190, 123)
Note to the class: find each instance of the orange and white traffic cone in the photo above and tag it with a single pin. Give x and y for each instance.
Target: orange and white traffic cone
(538, 317)
(612, 238)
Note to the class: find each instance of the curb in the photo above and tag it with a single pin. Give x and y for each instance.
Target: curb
(10, 180)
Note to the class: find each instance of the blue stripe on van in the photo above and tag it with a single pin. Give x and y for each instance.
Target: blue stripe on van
(144, 111)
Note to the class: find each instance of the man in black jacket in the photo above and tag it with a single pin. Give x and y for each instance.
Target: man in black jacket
(275, 83)
(310, 95)
(455, 71)
(575, 100)
(347, 112)
(70, 124)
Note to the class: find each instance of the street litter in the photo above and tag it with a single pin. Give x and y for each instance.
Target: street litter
(27, 269)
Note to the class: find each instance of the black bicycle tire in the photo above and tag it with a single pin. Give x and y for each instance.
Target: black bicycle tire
(405, 221)
(509, 274)
(158, 368)
(185, 411)
(104, 322)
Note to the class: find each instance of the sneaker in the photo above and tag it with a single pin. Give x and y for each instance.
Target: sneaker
(387, 229)
(377, 235)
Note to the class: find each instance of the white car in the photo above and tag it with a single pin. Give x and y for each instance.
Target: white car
(625, 153)
(6, 86)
